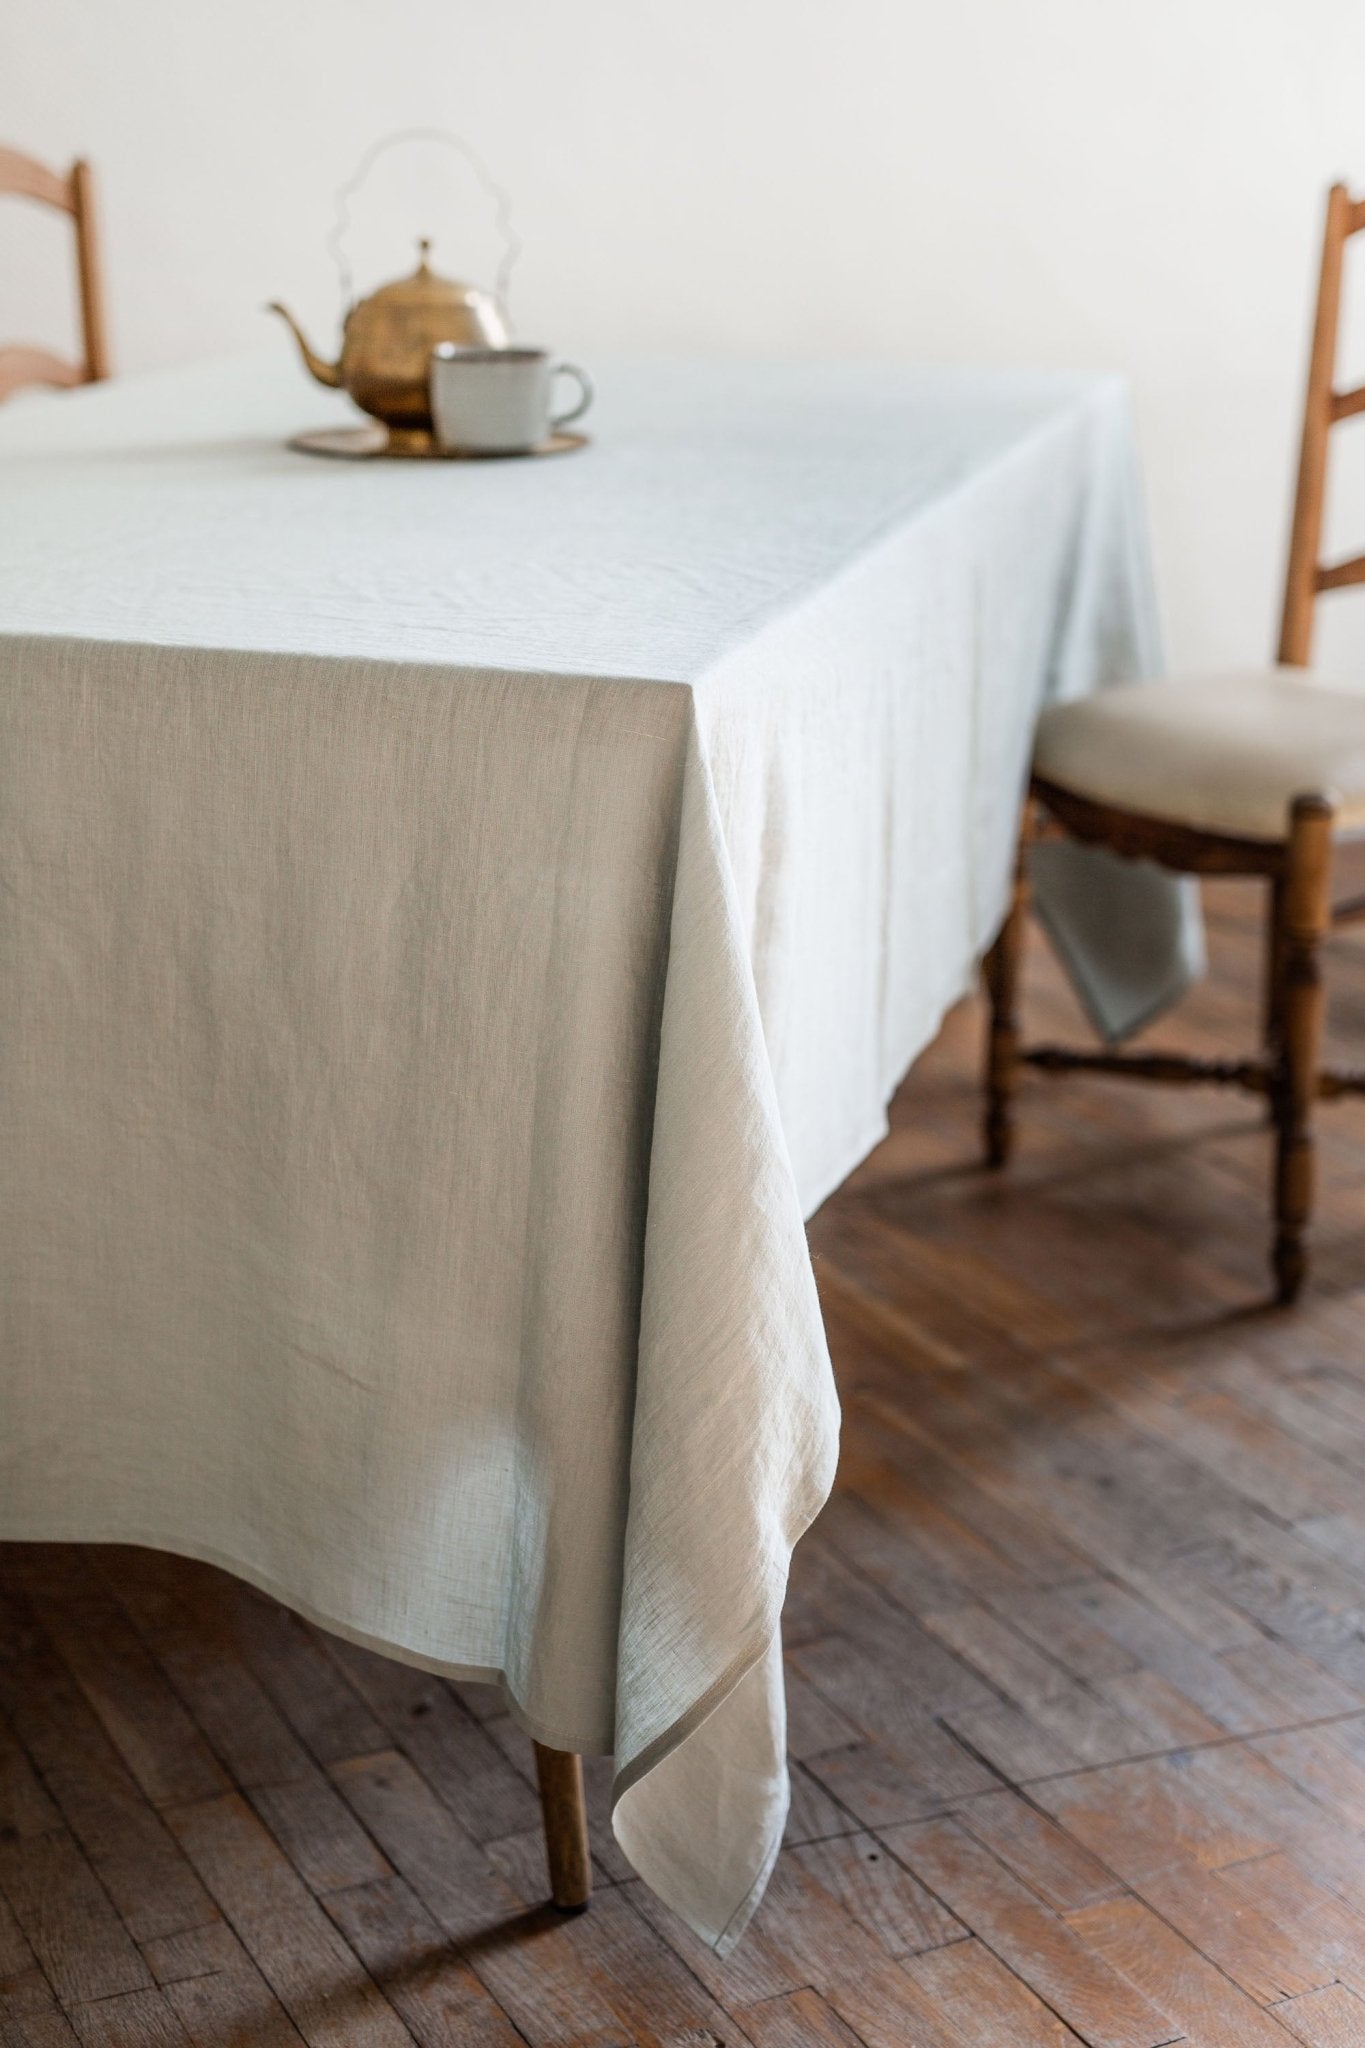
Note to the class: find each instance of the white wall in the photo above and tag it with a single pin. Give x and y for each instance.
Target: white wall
(1052, 181)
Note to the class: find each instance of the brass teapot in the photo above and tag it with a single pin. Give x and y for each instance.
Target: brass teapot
(386, 346)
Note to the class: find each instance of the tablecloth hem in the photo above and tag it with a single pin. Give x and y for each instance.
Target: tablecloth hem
(852, 1156)
(710, 1701)
(688, 1722)
(480, 1674)
(1113, 1026)
(733, 1930)
(723, 1941)
(419, 1660)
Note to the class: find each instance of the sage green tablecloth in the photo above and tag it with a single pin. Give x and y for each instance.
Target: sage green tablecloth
(455, 922)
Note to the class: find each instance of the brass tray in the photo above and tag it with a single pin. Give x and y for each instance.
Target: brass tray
(364, 443)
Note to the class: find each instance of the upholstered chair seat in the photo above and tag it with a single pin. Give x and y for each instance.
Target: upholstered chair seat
(1219, 753)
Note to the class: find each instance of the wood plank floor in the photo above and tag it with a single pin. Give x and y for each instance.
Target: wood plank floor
(1077, 1663)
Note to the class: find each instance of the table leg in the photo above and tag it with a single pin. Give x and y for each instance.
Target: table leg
(566, 1828)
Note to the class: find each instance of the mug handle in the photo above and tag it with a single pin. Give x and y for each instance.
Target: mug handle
(585, 395)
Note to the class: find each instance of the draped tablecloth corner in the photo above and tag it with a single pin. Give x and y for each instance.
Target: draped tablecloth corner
(735, 1379)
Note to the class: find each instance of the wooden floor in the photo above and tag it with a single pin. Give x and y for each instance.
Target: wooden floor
(1077, 1667)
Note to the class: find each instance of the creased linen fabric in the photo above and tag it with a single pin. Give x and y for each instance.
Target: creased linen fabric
(454, 923)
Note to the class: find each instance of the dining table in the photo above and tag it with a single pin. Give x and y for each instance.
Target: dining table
(458, 920)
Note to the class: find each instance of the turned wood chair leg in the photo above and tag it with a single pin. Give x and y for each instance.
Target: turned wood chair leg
(1000, 972)
(1272, 1028)
(560, 1774)
(1273, 1023)
(1302, 913)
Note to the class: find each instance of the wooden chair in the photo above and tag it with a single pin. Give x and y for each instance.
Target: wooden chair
(1255, 773)
(72, 193)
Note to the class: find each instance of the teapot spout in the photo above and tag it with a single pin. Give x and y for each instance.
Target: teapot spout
(326, 373)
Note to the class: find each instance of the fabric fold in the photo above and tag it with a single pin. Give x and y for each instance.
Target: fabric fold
(736, 1422)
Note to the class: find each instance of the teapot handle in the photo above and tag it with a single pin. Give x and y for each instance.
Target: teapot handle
(502, 206)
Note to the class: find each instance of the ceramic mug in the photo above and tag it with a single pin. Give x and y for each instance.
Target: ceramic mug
(496, 401)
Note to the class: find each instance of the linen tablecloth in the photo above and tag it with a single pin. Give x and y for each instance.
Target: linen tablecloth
(455, 922)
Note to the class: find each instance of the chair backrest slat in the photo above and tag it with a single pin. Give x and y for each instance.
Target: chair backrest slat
(1347, 403)
(25, 178)
(21, 365)
(29, 179)
(1323, 407)
(1340, 575)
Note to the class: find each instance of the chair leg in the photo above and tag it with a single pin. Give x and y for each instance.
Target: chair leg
(1301, 914)
(560, 1775)
(1274, 968)
(1272, 1023)
(1000, 972)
